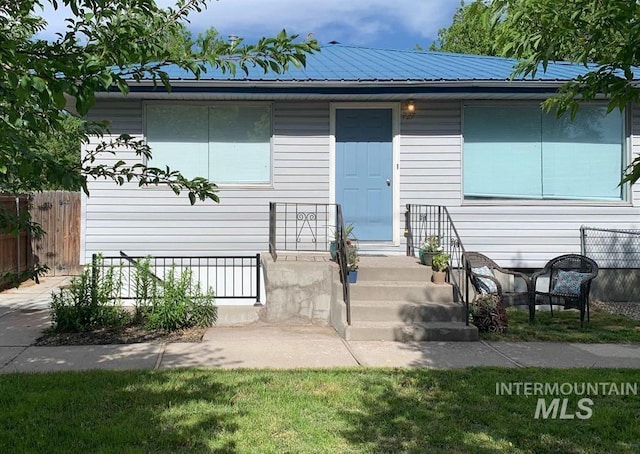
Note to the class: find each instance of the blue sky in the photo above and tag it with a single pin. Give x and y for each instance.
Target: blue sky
(387, 24)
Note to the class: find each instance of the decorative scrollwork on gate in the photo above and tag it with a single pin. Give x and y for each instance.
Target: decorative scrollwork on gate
(306, 218)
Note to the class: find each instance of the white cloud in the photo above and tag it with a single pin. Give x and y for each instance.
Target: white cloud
(358, 22)
(357, 18)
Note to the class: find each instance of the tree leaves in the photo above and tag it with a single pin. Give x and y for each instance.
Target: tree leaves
(107, 45)
(603, 36)
(469, 33)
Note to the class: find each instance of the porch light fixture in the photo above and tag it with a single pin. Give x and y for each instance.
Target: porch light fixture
(408, 110)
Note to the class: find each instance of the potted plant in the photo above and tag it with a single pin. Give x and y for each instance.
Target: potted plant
(429, 247)
(488, 314)
(352, 263)
(439, 265)
(333, 246)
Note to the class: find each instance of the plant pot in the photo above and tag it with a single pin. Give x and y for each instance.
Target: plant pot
(426, 258)
(333, 250)
(438, 277)
(353, 276)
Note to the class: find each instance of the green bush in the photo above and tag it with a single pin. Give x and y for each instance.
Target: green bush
(91, 301)
(146, 289)
(179, 303)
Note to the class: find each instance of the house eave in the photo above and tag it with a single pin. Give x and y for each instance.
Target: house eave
(181, 84)
(347, 90)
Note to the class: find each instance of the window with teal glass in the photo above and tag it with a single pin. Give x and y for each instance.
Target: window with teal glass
(518, 151)
(224, 143)
(178, 136)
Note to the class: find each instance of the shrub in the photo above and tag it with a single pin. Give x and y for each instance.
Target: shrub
(180, 304)
(488, 314)
(90, 301)
(145, 287)
(93, 300)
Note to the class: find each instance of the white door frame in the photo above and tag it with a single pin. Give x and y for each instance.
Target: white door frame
(395, 132)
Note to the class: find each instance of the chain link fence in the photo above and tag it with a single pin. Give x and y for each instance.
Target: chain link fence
(617, 253)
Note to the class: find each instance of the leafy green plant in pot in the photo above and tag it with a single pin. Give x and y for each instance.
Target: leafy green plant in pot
(333, 246)
(439, 266)
(352, 263)
(429, 248)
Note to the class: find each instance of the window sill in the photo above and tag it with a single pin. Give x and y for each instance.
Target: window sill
(221, 187)
(245, 186)
(526, 202)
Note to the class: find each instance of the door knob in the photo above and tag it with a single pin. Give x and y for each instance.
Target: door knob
(388, 182)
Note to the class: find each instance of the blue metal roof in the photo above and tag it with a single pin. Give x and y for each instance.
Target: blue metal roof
(339, 63)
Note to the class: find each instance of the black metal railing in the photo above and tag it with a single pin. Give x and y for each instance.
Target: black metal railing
(343, 261)
(272, 230)
(297, 227)
(425, 221)
(230, 277)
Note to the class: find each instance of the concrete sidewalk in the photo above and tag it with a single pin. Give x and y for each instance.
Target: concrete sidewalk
(24, 314)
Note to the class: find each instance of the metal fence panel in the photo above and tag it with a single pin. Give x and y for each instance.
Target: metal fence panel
(230, 277)
(617, 253)
(611, 248)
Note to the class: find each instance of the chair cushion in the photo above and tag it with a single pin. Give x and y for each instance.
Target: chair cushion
(568, 282)
(486, 285)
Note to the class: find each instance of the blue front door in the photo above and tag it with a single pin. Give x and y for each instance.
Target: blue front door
(364, 171)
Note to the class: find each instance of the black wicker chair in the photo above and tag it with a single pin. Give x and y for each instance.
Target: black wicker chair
(569, 282)
(487, 277)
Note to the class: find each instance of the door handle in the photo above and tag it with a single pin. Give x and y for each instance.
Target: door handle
(388, 182)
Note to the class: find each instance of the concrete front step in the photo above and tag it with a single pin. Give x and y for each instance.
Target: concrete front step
(406, 312)
(395, 268)
(410, 291)
(411, 332)
(395, 300)
(414, 273)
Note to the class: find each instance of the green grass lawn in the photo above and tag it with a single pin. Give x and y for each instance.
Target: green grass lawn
(564, 326)
(306, 411)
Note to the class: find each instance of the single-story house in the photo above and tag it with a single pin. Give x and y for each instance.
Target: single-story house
(372, 130)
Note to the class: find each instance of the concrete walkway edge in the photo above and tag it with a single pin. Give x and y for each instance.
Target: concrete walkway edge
(24, 314)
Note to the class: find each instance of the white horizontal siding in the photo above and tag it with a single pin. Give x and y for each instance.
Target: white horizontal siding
(430, 146)
(154, 221)
(123, 115)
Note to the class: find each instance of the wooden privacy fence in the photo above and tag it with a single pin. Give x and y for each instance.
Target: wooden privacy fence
(58, 212)
(15, 251)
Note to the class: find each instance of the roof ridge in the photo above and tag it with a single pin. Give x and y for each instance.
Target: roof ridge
(353, 46)
(447, 54)
(411, 51)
